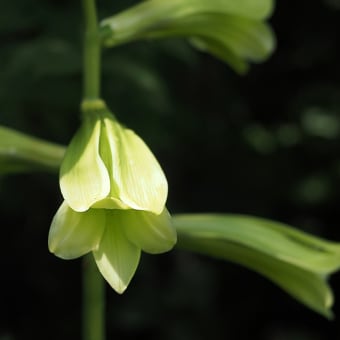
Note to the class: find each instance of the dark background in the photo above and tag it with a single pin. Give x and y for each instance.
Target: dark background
(265, 144)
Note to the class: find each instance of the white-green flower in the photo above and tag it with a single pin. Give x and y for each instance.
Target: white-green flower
(108, 166)
(116, 238)
(115, 193)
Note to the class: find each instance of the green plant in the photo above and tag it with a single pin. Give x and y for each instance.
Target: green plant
(115, 190)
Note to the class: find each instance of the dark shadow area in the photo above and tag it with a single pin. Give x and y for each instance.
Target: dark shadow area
(266, 144)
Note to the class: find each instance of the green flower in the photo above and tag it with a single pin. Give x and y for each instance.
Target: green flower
(115, 193)
(116, 238)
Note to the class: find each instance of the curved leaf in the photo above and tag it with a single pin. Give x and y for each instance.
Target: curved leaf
(223, 26)
(232, 39)
(297, 262)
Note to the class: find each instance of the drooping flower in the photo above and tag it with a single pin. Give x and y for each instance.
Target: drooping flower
(115, 193)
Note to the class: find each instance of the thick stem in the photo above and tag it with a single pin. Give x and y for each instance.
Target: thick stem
(93, 301)
(92, 51)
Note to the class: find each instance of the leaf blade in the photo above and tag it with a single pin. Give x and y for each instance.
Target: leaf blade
(215, 235)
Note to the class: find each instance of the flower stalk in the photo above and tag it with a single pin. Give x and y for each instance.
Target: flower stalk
(93, 301)
(92, 51)
(93, 311)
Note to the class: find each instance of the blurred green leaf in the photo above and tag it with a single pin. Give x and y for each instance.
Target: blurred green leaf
(297, 262)
(320, 122)
(21, 153)
(260, 139)
(231, 31)
(313, 189)
(36, 57)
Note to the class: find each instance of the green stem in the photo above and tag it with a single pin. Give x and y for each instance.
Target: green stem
(93, 283)
(92, 51)
(93, 301)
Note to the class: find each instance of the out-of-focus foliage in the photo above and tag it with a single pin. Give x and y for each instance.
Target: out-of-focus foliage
(235, 32)
(265, 144)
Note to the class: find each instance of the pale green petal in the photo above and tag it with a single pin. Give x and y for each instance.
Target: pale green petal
(83, 176)
(116, 257)
(137, 179)
(73, 234)
(110, 203)
(153, 233)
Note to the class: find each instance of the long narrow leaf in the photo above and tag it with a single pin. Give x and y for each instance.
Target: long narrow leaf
(23, 153)
(295, 261)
